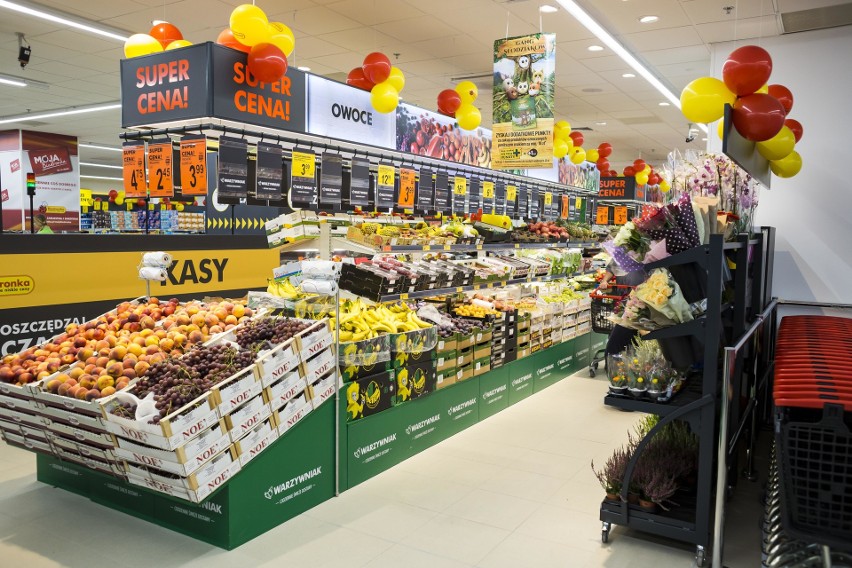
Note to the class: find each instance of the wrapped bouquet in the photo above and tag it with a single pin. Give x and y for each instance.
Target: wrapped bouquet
(662, 294)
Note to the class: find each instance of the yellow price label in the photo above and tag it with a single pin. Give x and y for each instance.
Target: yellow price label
(129, 205)
(460, 289)
(490, 285)
(517, 245)
(548, 198)
(427, 247)
(386, 175)
(448, 247)
(460, 185)
(488, 189)
(578, 202)
(511, 193)
(478, 247)
(304, 165)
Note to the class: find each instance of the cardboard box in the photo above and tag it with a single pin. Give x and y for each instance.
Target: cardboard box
(318, 366)
(182, 461)
(370, 395)
(280, 393)
(481, 366)
(324, 389)
(446, 378)
(313, 340)
(83, 435)
(525, 352)
(483, 337)
(203, 481)
(236, 390)
(243, 419)
(464, 341)
(465, 373)
(415, 381)
(464, 357)
(446, 344)
(292, 412)
(400, 360)
(446, 361)
(260, 438)
(481, 351)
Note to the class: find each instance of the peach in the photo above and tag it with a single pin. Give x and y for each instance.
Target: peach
(196, 337)
(62, 390)
(129, 373)
(102, 361)
(117, 353)
(166, 344)
(81, 394)
(238, 311)
(115, 370)
(53, 386)
(93, 394)
(135, 349)
(87, 383)
(108, 391)
(231, 319)
(104, 382)
(140, 368)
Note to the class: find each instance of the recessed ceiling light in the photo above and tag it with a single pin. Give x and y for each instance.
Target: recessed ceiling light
(548, 9)
(600, 124)
(628, 75)
(98, 147)
(595, 48)
(93, 165)
(704, 139)
(303, 68)
(12, 82)
(665, 104)
(648, 19)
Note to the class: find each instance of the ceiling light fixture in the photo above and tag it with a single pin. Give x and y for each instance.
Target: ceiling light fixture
(98, 147)
(303, 68)
(664, 104)
(547, 9)
(66, 19)
(103, 177)
(628, 75)
(62, 112)
(648, 19)
(12, 82)
(595, 48)
(16, 81)
(101, 165)
(593, 26)
(600, 124)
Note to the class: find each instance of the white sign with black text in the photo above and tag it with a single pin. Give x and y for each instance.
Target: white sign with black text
(340, 111)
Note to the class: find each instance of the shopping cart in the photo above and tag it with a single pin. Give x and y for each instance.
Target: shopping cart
(604, 301)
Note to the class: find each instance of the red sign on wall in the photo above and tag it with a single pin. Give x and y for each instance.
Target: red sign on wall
(50, 161)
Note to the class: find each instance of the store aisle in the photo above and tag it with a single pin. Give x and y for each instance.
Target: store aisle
(513, 491)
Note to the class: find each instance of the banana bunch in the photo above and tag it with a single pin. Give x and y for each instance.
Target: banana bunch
(359, 322)
(284, 289)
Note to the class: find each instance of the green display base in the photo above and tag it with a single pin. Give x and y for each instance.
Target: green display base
(272, 488)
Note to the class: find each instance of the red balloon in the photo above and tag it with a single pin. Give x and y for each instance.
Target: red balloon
(604, 150)
(783, 94)
(796, 127)
(357, 79)
(613, 173)
(629, 171)
(638, 165)
(603, 166)
(165, 33)
(654, 179)
(577, 137)
(449, 102)
(747, 69)
(376, 67)
(226, 38)
(267, 62)
(140, 202)
(758, 117)
(113, 193)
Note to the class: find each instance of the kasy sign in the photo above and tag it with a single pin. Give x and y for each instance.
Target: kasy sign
(339, 111)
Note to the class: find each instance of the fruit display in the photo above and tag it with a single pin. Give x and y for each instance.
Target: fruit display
(451, 325)
(105, 354)
(553, 231)
(475, 311)
(283, 288)
(490, 269)
(565, 295)
(377, 234)
(264, 333)
(359, 321)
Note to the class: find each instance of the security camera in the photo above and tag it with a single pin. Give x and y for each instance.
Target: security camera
(690, 133)
(690, 138)
(24, 50)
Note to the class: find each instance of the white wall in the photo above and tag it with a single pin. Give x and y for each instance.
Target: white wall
(812, 211)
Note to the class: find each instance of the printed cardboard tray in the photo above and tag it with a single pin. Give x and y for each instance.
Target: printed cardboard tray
(317, 367)
(27, 443)
(195, 487)
(236, 390)
(64, 416)
(81, 434)
(83, 450)
(183, 460)
(291, 413)
(280, 393)
(325, 388)
(256, 441)
(243, 419)
(23, 416)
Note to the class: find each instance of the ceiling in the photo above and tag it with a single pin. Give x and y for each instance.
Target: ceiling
(436, 41)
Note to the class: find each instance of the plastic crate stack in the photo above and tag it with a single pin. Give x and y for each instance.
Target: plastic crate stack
(813, 417)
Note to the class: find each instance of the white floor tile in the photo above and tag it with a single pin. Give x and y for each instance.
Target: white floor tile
(523, 550)
(524, 483)
(401, 555)
(457, 538)
(494, 509)
(580, 530)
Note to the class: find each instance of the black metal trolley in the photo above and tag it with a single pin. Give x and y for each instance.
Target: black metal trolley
(604, 301)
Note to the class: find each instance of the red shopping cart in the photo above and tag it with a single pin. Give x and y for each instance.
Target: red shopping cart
(604, 301)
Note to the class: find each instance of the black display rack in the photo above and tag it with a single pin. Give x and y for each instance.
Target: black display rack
(702, 272)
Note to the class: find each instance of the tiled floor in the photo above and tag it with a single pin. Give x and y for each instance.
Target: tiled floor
(514, 491)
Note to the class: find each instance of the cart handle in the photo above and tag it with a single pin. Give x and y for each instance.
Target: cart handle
(597, 292)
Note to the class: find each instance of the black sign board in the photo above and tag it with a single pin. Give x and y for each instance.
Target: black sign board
(270, 175)
(359, 193)
(523, 207)
(499, 198)
(535, 203)
(474, 196)
(425, 199)
(617, 189)
(442, 192)
(232, 169)
(303, 180)
(331, 181)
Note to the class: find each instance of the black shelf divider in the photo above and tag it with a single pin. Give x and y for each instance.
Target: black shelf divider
(699, 254)
(694, 328)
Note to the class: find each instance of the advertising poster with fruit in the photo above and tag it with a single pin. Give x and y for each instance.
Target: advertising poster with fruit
(524, 94)
(585, 175)
(431, 134)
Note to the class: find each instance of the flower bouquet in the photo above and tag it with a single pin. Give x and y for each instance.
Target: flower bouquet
(663, 296)
(616, 369)
(633, 313)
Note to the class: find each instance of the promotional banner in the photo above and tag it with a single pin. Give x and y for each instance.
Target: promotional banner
(523, 101)
(584, 176)
(340, 111)
(431, 134)
(12, 179)
(617, 189)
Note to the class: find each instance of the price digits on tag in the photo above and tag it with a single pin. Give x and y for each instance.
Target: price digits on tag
(511, 193)
(460, 185)
(386, 175)
(488, 189)
(304, 165)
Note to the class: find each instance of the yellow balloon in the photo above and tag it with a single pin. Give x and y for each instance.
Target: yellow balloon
(179, 206)
(570, 141)
(138, 45)
(281, 37)
(647, 170)
(665, 186)
(721, 129)
(560, 148)
(703, 100)
(641, 178)
(578, 155)
(177, 44)
(121, 194)
(592, 155)
(396, 78)
(563, 124)
(467, 91)
(468, 116)
(384, 97)
(787, 166)
(119, 200)
(249, 24)
(764, 89)
(779, 146)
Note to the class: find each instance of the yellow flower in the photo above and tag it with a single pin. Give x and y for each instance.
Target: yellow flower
(655, 381)
(640, 380)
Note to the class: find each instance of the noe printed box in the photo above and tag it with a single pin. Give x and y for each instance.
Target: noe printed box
(292, 412)
(256, 441)
(324, 389)
(280, 393)
(243, 419)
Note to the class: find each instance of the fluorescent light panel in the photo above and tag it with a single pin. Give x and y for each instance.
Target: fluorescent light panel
(103, 177)
(38, 11)
(548, 9)
(100, 166)
(12, 82)
(99, 147)
(593, 26)
(58, 113)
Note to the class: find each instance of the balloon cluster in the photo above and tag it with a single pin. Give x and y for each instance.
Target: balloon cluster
(645, 175)
(458, 103)
(116, 197)
(383, 80)
(163, 36)
(570, 144)
(600, 157)
(759, 110)
(268, 44)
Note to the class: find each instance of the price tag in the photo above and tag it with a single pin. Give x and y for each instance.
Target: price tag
(460, 289)
(384, 186)
(578, 202)
(427, 247)
(620, 215)
(96, 206)
(133, 158)
(602, 215)
(565, 203)
(129, 205)
(460, 185)
(448, 247)
(161, 181)
(406, 188)
(193, 166)
(304, 165)
(403, 296)
(478, 247)
(490, 285)
(386, 175)
(488, 189)
(548, 199)
(511, 193)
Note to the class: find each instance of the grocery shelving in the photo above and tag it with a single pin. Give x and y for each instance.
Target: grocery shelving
(340, 243)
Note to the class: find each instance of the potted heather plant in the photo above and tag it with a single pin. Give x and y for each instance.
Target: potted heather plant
(612, 474)
(657, 488)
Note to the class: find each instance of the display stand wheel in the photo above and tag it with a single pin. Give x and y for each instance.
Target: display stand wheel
(593, 369)
(605, 532)
(700, 556)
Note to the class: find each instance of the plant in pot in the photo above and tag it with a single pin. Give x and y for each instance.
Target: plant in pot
(616, 369)
(612, 473)
(657, 488)
(636, 380)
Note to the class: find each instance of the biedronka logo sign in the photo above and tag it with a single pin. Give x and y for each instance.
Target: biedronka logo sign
(16, 285)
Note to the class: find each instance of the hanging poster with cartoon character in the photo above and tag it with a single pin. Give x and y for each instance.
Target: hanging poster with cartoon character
(524, 93)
